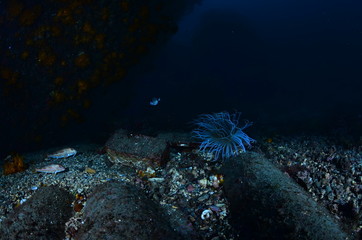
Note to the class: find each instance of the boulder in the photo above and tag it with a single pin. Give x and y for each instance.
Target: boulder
(41, 217)
(117, 210)
(265, 203)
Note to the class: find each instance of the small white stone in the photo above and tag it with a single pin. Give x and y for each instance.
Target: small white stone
(156, 179)
(203, 182)
(206, 214)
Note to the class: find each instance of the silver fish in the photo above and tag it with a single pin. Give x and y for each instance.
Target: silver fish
(64, 153)
(154, 101)
(52, 168)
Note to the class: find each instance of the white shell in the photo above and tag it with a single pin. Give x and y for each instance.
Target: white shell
(206, 214)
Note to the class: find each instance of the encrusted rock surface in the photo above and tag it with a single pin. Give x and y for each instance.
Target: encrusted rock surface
(267, 204)
(41, 217)
(121, 211)
(330, 170)
(135, 149)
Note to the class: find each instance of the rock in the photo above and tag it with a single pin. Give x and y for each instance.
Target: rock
(136, 150)
(122, 211)
(267, 204)
(43, 216)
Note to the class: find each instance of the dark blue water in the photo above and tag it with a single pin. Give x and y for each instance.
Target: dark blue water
(284, 64)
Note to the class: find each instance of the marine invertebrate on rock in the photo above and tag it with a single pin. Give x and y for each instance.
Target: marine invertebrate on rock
(221, 135)
(13, 164)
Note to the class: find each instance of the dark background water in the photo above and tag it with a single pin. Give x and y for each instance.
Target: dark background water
(291, 67)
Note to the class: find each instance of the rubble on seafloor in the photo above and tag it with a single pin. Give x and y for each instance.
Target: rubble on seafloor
(188, 188)
(186, 184)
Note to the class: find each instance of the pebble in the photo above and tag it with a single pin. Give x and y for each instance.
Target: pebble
(206, 214)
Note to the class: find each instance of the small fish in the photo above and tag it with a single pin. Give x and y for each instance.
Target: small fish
(64, 153)
(52, 168)
(154, 101)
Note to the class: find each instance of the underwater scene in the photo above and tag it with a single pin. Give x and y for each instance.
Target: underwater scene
(184, 119)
